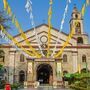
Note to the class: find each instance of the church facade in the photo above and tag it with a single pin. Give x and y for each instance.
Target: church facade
(20, 68)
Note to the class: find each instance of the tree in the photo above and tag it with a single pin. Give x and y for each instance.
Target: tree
(82, 81)
(4, 19)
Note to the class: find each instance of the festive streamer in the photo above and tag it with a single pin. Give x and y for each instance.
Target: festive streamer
(83, 9)
(69, 1)
(5, 4)
(28, 7)
(15, 21)
(87, 2)
(15, 41)
(65, 44)
(49, 30)
(62, 23)
(3, 36)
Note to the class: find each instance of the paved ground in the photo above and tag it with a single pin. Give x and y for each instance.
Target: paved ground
(43, 88)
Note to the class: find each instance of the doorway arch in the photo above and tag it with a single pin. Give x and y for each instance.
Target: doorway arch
(44, 73)
(21, 76)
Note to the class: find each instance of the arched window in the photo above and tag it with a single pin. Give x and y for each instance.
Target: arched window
(21, 58)
(64, 58)
(2, 55)
(80, 40)
(21, 76)
(76, 16)
(84, 58)
(77, 27)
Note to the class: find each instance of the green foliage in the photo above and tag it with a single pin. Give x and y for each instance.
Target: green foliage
(81, 81)
(15, 85)
(1, 66)
(2, 84)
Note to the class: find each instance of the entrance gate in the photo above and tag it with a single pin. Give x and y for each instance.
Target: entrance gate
(44, 73)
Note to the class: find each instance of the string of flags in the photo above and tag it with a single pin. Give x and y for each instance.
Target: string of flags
(28, 7)
(15, 21)
(62, 23)
(3, 36)
(15, 41)
(87, 2)
(49, 29)
(65, 44)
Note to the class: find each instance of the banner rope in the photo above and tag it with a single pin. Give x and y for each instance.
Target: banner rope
(15, 41)
(49, 24)
(65, 44)
(28, 7)
(15, 21)
(61, 26)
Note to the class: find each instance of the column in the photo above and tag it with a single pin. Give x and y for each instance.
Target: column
(74, 64)
(11, 66)
(30, 71)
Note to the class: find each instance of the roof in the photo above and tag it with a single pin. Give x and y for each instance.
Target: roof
(40, 26)
(46, 26)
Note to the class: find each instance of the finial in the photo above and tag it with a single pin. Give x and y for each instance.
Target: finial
(75, 8)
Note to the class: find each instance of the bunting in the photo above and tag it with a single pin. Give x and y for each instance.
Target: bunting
(83, 9)
(15, 41)
(15, 21)
(49, 24)
(65, 44)
(28, 7)
(62, 23)
(87, 2)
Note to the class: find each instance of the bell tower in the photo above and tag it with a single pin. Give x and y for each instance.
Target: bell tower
(76, 23)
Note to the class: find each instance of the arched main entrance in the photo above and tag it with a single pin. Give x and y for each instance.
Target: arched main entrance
(44, 73)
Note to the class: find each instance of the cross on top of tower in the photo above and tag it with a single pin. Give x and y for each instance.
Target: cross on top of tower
(75, 9)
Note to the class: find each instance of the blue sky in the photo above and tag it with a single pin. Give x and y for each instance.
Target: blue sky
(40, 13)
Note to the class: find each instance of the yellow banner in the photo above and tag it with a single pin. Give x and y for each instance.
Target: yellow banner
(15, 21)
(15, 41)
(65, 44)
(49, 30)
(83, 10)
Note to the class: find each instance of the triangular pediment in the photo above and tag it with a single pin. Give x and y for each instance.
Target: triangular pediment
(42, 35)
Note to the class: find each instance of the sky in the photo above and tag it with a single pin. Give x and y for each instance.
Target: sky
(40, 13)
